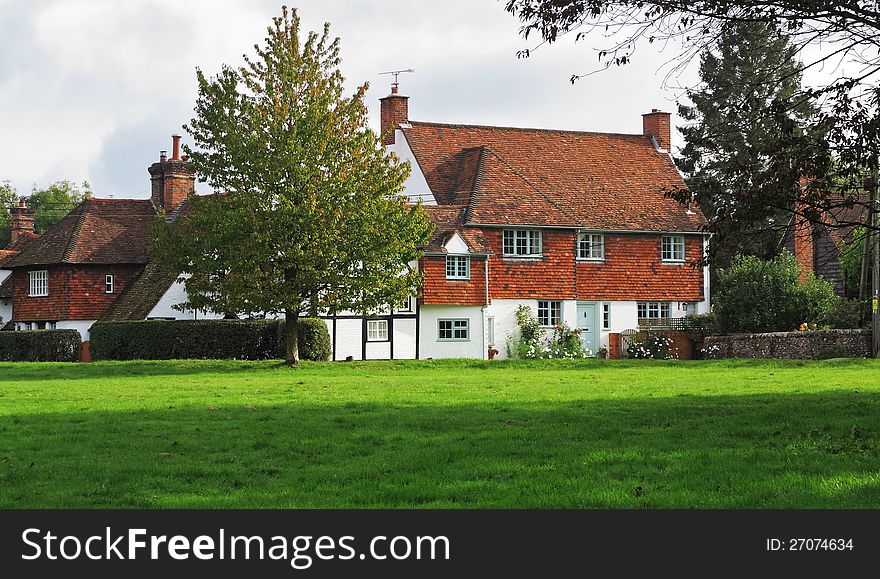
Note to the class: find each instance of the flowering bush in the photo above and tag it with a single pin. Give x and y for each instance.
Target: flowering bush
(711, 352)
(530, 344)
(654, 347)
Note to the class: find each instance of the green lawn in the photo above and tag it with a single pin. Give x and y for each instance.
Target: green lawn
(441, 434)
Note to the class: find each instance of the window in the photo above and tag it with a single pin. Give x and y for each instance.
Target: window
(490, 329)
(453, 330)
(39, 283)
(651, 311)
(591, 246)
(522, 242)
(673, 248)
(407, 306)
(377, 330)
(458, 267)
(606, 316)
(108, 284)
(549, 313)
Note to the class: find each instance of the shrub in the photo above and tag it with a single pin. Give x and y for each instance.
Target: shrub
(314, 340)
(528, 343)
(653, 347)
(185, 340)
(566, 343)
(40, 346)
(847, 315)
(758, 295)
(205, 340)
(702, 325)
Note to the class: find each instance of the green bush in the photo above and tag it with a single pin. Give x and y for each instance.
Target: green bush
(758, 295)
(205, 340)
(847, 315)
(314, 340)
(40, 346)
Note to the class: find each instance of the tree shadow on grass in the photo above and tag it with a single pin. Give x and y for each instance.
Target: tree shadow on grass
(757, 451)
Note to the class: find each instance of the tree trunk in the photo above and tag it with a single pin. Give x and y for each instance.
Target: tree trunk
(291, 337)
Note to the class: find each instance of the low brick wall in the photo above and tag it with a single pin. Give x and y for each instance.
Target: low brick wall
(792, 345)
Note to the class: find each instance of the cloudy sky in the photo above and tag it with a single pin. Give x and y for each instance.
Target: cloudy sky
(93, 89)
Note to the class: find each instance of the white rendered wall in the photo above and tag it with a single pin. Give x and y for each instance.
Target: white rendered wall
(176, 294)
(5, 312)
(416, 187)
(431, 347)
(4, 273)
(83, 326)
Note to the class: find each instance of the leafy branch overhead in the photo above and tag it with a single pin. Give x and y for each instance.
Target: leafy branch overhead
(310, 217)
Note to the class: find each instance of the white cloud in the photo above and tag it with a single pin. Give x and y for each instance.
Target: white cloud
(92, 89)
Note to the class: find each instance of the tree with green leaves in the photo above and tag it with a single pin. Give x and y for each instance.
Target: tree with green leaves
(730, 142)
(311, 216)
(8, 197)
(49, 204)
(56, 201)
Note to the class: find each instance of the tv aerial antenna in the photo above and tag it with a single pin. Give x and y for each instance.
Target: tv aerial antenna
(397, 74)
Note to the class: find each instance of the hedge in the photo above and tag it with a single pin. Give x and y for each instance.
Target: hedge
(198, 340)
(40, 346)
(314, 340)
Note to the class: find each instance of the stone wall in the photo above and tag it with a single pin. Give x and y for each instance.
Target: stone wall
(792, 345)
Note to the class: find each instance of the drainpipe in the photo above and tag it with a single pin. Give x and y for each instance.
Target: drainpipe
(483, 309)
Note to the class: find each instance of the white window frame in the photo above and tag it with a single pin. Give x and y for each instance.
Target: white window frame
(522, 243)
(490, 330)
(455, 262)
(672, 248)
(407, 306)
(38, 283)
(377, 330)
(606, 316)
(549, 314)
(460, 329)
(653, 310)
(109, 284)
(591, 247)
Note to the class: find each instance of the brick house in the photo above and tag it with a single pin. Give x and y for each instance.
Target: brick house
(573, 224)
(22, 230)
(69, 277)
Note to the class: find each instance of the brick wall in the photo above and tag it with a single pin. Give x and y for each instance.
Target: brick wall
(791, 345)
(551, 277)
(75, 292)
(439, 290)
(633, 270)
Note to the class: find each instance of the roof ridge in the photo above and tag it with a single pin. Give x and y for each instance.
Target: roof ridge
(74, 231)
(526, 129)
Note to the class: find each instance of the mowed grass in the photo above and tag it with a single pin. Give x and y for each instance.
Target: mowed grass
(459, 434)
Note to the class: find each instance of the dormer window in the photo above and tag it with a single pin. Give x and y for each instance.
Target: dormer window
(522, 242)
(458, 267)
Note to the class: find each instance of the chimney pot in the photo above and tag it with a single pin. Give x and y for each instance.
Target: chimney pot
(163, 156)
(175, 147)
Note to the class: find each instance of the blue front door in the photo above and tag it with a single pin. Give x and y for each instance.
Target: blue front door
(587, 325)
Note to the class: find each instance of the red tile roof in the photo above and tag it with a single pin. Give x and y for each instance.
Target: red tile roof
(511, 176)
(6, 254)
(6, 289)
(97, 231)
(448, 220)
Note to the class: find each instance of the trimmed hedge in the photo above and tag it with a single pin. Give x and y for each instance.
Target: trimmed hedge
(197, 340)
(40, 346)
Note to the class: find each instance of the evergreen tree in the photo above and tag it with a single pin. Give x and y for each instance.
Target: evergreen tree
(311, 217)
(732, 137)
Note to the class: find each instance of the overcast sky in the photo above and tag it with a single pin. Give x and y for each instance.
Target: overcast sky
(93, 89)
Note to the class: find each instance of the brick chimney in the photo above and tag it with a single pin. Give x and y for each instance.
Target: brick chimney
(173, 180)
(395, 110)
(22, 220)
(657, 124)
